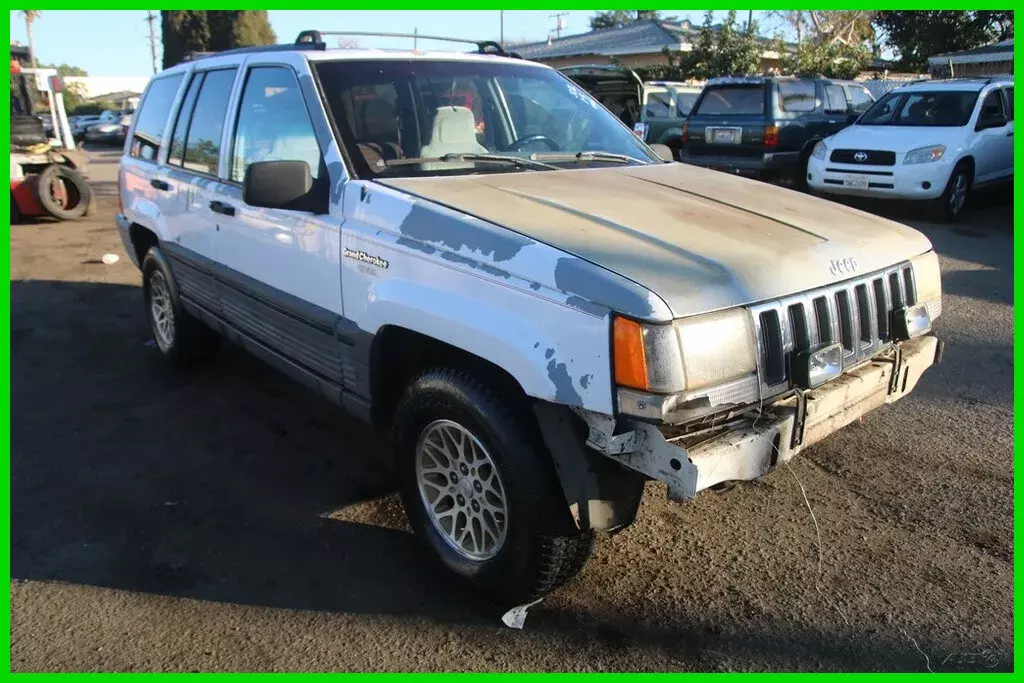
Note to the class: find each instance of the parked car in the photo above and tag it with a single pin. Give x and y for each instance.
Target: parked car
(545, 319)
(665, 108)
(619, 89)
(934, 141)
(80, 124)
(109, 131)
(767, 126)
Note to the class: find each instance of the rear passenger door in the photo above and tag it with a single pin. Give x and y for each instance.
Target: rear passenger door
(192, 169)
(144, 190)
(837, 110)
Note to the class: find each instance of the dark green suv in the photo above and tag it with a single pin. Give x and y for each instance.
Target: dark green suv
(767, 126)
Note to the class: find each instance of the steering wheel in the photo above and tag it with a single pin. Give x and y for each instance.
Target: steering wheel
(518, 145)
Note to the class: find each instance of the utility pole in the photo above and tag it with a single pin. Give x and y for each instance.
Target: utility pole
(559, 24)
(750, 18)
(415, 37)
(150, 18)
(501, 40)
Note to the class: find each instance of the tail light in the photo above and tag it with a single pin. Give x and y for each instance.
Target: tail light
(771, 136)
(686, 132)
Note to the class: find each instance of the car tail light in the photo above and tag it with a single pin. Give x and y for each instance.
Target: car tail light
(771, 136)
(686, 132)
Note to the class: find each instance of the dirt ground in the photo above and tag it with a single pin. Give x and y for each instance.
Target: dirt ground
(229, 520)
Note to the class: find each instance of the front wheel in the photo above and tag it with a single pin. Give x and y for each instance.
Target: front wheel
(950, 204)
(480, 489)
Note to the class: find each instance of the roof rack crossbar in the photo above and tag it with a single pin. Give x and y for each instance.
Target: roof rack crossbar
(487, 47)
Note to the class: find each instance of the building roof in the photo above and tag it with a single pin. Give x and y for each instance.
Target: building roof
(999, 52)
(635, 37)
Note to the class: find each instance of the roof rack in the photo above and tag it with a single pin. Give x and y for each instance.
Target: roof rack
(316, 39)
(192, 56)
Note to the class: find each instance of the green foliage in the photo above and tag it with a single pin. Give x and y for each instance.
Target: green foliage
(832, 60)
(612, 18)
(66, 69)
(720, 51)
(89, 108)
(917, 35)
(185, 31)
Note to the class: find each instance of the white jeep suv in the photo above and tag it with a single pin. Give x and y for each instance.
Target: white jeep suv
(469, 249)
(932, 140)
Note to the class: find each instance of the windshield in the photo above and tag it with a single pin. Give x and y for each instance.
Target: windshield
(450, 114)
(938, 108)
(732, 100)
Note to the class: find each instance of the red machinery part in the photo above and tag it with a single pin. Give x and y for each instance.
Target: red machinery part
(23, 193)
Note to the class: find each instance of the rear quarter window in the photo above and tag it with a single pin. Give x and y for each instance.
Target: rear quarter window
(732, 100)
(797, 96)
(152, 117)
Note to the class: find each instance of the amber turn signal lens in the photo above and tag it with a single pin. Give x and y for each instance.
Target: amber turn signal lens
(771, 136)
(628, 352)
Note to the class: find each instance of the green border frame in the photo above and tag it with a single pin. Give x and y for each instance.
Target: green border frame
(5, 298)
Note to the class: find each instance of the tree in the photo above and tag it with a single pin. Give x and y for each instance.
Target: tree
(185, 31)
(617, 17)
(832, 43)
(720, 51)
(918, 35)
(30, 17)
(66, 69)
(832, 60)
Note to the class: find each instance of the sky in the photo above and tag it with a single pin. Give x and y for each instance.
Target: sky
(116, 43)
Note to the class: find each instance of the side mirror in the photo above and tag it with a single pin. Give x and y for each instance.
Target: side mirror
(281, 185)
(664, 152)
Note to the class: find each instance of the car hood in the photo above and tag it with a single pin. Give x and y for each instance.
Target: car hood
(897, 139)
(699, 239)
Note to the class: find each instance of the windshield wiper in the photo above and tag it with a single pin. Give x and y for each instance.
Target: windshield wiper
(585, 156)
(518, 162)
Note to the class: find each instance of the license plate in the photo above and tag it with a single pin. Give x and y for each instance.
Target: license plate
(725, 136)
(857, 182)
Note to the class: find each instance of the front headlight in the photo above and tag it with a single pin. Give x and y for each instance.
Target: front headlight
(694, 353)
(819, 150)
(924, 155)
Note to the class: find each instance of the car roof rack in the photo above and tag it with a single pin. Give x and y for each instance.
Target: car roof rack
(192, 56)
(484, 47)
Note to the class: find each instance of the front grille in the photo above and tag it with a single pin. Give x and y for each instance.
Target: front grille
(874, 157)
(854, 313)
(858, 171)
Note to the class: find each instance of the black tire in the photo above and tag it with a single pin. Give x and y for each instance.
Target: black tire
(190, 341)
(800, 172)
(77, 191)
(542, 549)
(945, 209)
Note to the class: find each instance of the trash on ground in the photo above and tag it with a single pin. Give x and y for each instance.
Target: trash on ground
(110, 259)
(516, 617)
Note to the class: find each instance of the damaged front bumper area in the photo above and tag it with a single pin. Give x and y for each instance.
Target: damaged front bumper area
(749, 445)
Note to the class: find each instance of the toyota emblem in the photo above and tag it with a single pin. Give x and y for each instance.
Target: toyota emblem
(860, 157)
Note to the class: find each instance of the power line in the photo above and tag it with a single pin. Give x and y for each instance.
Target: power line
(150, 18)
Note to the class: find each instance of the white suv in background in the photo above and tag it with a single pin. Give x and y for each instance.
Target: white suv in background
(933, 140)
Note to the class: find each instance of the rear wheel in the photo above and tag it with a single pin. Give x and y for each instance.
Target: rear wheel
(480, 489)
(180, 337)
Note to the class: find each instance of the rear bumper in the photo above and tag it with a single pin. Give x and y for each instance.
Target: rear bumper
(767, 162)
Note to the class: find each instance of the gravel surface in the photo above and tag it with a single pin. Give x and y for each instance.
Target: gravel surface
(230, 520)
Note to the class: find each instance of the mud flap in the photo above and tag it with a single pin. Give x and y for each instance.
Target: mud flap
(602, 495)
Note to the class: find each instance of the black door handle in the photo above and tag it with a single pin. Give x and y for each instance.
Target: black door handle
(221, 207)
(160, 185)
(1010, 134)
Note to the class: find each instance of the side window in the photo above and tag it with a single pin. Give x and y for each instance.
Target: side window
(684, 103)
(795, 96)
(152, 117)
(658, 105)
(273, 124)
(860, 99)
(835, 100)
(992, 107)
(202, 141)
(1009, 103)
(176, 155)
